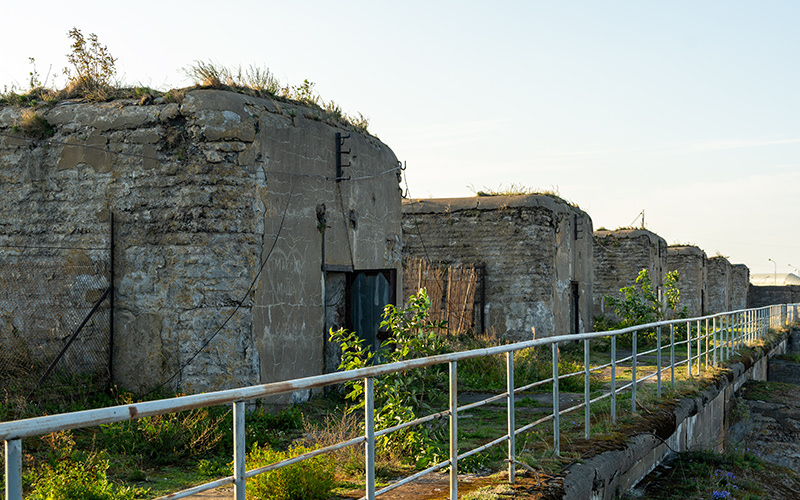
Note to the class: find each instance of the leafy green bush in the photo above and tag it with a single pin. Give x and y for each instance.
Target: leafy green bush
(640, 305)
(79, 480)
(399, 396)
(69, 474)
(311, 479)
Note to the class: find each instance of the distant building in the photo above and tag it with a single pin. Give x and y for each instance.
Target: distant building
(771, 279)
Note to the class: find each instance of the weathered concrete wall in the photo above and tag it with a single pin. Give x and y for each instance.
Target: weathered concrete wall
(690, 262)
(720, 284)
(203, 191)
(619, 256)
(760, 296)
(537, 250)
(740, 285)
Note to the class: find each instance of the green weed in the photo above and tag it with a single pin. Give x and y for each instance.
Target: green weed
(311, 479)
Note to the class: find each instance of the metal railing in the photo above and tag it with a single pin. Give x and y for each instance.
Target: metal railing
(708, 341)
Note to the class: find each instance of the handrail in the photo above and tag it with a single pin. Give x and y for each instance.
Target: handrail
(733, 329)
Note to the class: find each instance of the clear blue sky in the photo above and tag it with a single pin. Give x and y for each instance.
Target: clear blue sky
(688, 110)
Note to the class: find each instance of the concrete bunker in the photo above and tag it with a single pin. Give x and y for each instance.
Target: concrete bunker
(238, 241)
(536, 252)
(619, 256)
(691, 263)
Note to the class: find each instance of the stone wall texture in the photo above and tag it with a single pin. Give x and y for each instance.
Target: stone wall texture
(740, 286)
(691, 264)
(537, 252)
(203, 193)
(619, 256)
(761, 296)
(720, 285)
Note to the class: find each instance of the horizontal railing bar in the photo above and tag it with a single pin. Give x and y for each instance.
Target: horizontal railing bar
(304, 456)
(408, 479)
(572, 408)
(198, 489)
(15, 430)
(531, 425)
(45, 425)
(420, 420)
(623, 387)
(483, 447)
(530, 386)
(482, 402)
(568, 375)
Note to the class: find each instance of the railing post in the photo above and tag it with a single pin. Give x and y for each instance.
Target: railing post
(614, 379)
(689, 348)
(13, 449)
(369, 431)
(453, 431)
(556, 426)
(672, 353)
(714, 331)
(737, 325)
(587, 412)
(706, 336)
(512, 427)
(699, 351)
(658, 361)
(239, 451)
(633, 373)
(726, 327)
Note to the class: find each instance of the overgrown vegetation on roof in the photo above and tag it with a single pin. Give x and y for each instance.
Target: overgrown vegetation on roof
(91, 75)
(520, 190)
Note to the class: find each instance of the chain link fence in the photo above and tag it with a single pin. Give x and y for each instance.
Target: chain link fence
(55, 323)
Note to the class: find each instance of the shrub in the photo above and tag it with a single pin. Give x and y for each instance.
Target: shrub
(92, 67)
(640, 305)
(68, 474)
(79, 480)
(398, 396)
(310, 479)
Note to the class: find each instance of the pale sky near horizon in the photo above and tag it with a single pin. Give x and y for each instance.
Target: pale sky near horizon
(688, 110)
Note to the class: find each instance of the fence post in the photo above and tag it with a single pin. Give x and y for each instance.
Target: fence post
(512, 427)
(453, 431)
(13, 469)
(633, 372)
(369, 431)
(556, 427)
(714, 331)
(699, 351)
(706, 335)
(658, 361)
(587, 412)
(239, 450)
(689, 347)
(614, 379)
(672, 353)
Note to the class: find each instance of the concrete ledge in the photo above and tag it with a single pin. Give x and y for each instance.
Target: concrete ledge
(700, 422)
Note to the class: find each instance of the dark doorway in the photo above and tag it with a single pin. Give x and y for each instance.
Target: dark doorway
(574, 309)
(370, 291)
